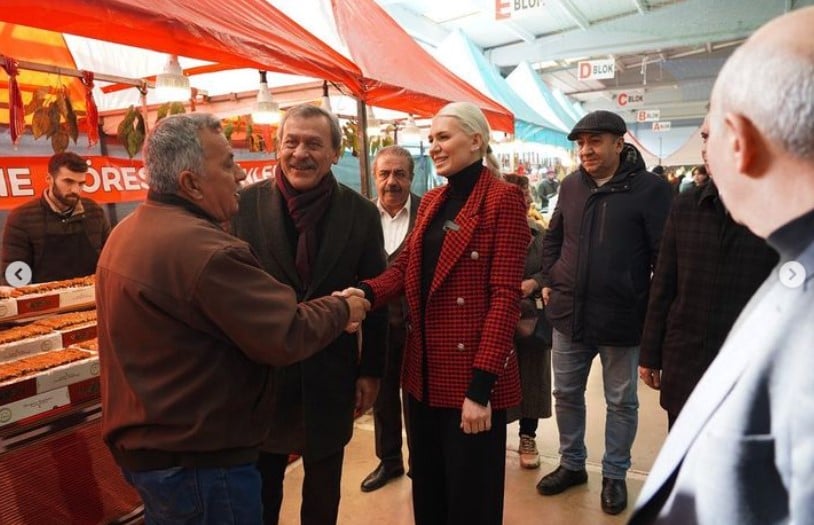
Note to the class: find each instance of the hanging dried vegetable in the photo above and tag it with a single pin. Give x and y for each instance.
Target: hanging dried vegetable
(92, 113)
(53, 117)
(169, 108)
(131, 131)
(15, 100)
(350, 141)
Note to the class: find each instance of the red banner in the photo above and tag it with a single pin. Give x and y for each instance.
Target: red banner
(109, 180)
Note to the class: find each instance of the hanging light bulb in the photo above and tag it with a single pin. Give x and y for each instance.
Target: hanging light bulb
(374, 125)
(265, 110)
(171, 85)
(325, 101)
(410, 134)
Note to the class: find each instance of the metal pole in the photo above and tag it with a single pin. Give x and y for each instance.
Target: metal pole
(67, 72)
(364, 147)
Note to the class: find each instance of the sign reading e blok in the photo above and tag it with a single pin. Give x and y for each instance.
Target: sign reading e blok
(505, 8)
(596, 69)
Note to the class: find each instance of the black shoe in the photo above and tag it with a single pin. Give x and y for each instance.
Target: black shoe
(614, 495)
(561, 479)
(380, 476)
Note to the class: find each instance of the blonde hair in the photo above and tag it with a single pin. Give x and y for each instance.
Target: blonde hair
(472, 121)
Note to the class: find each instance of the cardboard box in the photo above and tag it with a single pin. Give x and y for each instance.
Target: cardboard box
(31, 406)
(76, 334)
(16, 390)
(32, 345)
(65, 299)
(8, 308)
(85, 390)
(74, 297)
(35, 304)
(68, 374)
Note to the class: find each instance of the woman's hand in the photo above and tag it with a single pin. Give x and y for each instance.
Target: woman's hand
(475, 417)
(528, 287)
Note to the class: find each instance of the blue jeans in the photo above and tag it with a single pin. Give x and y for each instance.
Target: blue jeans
(571, 363)
(199, 495)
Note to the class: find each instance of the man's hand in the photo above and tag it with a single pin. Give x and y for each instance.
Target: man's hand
(367, 389)
(350, 292)
(546, 293)
(651, 377)
(475, 417)
(528, 287)
(358, 310)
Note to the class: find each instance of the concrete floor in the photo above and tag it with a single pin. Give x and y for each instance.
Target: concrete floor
(391, 505)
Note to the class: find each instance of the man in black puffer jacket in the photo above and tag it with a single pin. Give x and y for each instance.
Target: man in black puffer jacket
(600, 251)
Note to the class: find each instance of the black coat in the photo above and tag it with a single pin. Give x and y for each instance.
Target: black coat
(315, 399)
(708, 268)
(600, 250)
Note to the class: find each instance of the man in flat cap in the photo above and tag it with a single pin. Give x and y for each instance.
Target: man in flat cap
(598, 255)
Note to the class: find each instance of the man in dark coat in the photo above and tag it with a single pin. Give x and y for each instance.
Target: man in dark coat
(598, 255)
(60, 234)
(393, 173)
(317, 236)
(709, 266)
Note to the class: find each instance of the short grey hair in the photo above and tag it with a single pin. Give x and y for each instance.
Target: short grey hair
(310, 111)
(773, 86)
(173, 146)
(396, 151)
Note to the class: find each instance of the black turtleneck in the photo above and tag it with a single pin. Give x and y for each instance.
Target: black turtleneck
(460, 187)
(791, 239)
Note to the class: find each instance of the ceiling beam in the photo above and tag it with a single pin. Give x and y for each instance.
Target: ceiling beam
(487, 7)
(574, 14)
(527, 36)
(624, 35)
(641, 6)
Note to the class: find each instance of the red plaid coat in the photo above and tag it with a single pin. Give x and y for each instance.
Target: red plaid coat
(472, 307)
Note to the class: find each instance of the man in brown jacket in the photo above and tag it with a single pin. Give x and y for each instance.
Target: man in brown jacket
(188, 326)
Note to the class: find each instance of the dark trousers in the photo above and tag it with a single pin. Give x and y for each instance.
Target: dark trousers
(528, 426)
(457, 477)
(671, 419)
(320, 488)
(387, 408)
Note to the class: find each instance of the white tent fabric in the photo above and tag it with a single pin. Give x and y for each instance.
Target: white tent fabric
(689, 153)
(131, 62)
(528, 84)
(650, 159)
(465, 59)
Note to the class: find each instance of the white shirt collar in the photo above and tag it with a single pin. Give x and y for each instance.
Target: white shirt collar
(403, 210)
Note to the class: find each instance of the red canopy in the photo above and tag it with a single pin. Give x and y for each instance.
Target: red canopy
(393, 71)
(242, 33)
(398, 73)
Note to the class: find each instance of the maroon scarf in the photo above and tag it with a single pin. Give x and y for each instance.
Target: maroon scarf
(306, 208)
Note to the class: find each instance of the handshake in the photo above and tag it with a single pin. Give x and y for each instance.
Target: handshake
(358, 306)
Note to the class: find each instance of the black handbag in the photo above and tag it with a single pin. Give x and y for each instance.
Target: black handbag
(533, 324)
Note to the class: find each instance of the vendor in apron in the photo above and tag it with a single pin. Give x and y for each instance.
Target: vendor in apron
(60, 234)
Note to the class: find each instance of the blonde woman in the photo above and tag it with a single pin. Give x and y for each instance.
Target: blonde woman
(460, 271)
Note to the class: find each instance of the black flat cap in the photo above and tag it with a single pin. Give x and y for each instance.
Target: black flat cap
(599, 121)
